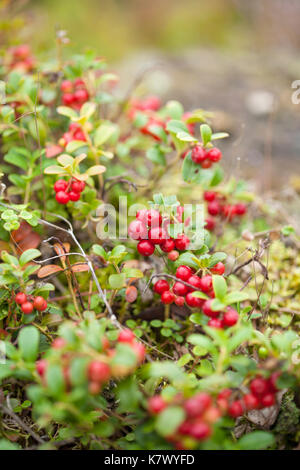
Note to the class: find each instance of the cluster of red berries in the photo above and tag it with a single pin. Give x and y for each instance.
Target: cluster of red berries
(74, 92)
(262, 394)
(68, 190)
(200, 414)
(100, 370)
(148, 106)
(28, 303)
(150, 229)
(205, 157)
(73, 133)
(181, 293)
(217, 205)
(21, 58)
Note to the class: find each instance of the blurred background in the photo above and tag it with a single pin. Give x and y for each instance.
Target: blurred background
(235, 57)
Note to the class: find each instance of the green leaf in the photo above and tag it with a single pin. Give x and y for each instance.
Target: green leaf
(256, 440)
(235, 297)
(219, 135)
(103, 133)
(28, 341)
(202, 341)
(216, 258)
(155, 155)
(169, 420)
(117, 281)
(175, 126)
(65, 111)
(99, 250)
(206, 133)
(133, 273)
(220, 286)
(287, 230)
(29, 255)
(55, 380)
(199, 295)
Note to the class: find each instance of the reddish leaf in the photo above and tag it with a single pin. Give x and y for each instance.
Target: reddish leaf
(59, 250)
(80, 267)
(53, 150)
(48, 270)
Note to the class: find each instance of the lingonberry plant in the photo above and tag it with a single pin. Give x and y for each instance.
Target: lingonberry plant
(177, 330)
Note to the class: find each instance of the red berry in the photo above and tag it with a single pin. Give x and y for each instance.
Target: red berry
(213, 208)
(267, 400)
(206, 163)
(214, 154)
(193, 301)
(240, 209)
(41, 366)
(236, 409)
(194, 281)
(173, 255)
(60, 185)
(79, 135)
(66, 86)
(77, 186)
(153, 218)
(157, 235)
(218, 268)
(74, 196)
(206, 283)
(131, 294)
(210, 224)
(161, 286)
(79, 83)
(179, 301)
(81, 95)
(62, 197)
(145, 248)
(126, 336)
(180, 289)
(58, 343)
(207, 310)
(198, 154)
(209, 196)
(251, 401)
(272, 381)
(27, 308)
(98, 371)
(168, 245)
(40, 303)
(156, 404)
(229, 211)
(167, 297)
(183, 272)
(185, 428)
(200, 430)
(22, 51)
(20, 298)
(215, 323)
(137, 230)
(224, 394)
(68, 99)
(230, 317)
(182, 242)
(196, 405)
(140, 350)
(259, 386)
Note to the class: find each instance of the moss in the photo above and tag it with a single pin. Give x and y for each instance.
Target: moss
(288, 421)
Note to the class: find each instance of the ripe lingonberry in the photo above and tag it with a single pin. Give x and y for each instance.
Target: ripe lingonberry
(218, 268)
(27, 308)
(193, 301)
(78, 186)
(98, 371)
(229, 211)
(200, 430)
(161, 286)
(209, 196)
(198, 154)
(66, 86)
(183, 272)
(196, 405)
(167, 297)
(41, 366)
(206, 163)
(236, 409)
(210, 224)
(20, 298)
(156, 404)
(153, 218)
(180, 289)
(207, 310)
(40, 303)
(173, 255)
(126, 336)
(74, 196)
(214, 154)
(140, 350)
(179, 301)
(213, 208)
(272, 382)
(145, 248)
(251, 401)
(215, 323)
(58, 343)
(167, 245)
(240, 209)
(60, 185)
(81, 95)
(230, 317)
(267, 400)
(68, 99)
(206, 283)
(157, 235)
(259, 386)
(137, 230)
(194, 281)
(182, 242)
(62, 197)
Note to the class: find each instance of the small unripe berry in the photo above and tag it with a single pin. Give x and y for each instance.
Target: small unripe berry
(20, 298)
(27, 308)
(161, 286)
(145, 248)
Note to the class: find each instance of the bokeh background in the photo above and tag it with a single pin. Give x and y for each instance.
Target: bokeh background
(237, 58)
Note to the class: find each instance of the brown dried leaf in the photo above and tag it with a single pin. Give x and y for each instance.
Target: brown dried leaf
(59, 250)
(80, 267)
(48, 270)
